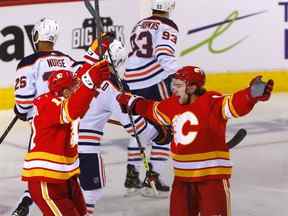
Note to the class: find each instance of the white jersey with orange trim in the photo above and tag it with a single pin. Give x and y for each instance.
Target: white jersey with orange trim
(101, 109)
(32, 75)
(152, 54)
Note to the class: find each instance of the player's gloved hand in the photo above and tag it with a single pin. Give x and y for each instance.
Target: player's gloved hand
(261, 90)
(106, 40)
(127, 102)
(21, 116)
(92, 54)
(165, 134)
(96, 74)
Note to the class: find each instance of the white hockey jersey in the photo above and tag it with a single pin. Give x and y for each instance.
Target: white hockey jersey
(152, 54)
(102, 107)
(32, 75)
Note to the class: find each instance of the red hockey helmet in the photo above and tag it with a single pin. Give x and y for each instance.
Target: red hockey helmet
(192, 75)
(60, 80)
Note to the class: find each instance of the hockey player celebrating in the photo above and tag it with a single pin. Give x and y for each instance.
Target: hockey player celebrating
(51, 166)
(32, 79)
(150, 63)
(200, 156)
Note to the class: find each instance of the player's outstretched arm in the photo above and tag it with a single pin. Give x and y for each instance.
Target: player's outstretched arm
(136, 105)
(243, 101)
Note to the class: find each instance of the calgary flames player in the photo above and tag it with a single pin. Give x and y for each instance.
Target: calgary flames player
(52, 166)
(200, 156)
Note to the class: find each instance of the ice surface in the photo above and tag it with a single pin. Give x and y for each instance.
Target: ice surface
(260, 176)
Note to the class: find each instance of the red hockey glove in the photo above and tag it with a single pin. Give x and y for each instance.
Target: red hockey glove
(96, 74)
(127, 102)
(261, 90)
(106, 39)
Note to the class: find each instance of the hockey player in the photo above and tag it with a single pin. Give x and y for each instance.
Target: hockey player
(91, 128)
(32, 76)
(51, 166)
(150, 64)
(200, 156)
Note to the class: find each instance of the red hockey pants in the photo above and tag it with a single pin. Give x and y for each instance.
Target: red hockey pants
(209, 198)
(58, 199)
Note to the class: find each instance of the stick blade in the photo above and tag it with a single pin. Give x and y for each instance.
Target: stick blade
(238, 137)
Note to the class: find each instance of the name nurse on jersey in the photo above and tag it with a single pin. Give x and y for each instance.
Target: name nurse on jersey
(56, 63)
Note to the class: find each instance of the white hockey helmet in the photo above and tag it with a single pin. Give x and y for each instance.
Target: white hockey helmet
(118, 53)
(45, 30)
(163, 5)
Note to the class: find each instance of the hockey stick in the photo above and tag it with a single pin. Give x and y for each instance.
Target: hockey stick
(11, 124)
(237, 138)
(96, 14)
(234, 141)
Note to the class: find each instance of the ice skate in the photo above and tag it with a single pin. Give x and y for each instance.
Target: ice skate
(132, 182)
(162, 188)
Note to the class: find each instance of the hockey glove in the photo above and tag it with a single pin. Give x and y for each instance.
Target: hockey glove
(106, 40)
(165, 134)
(96, 74)
(261, 90)
(127, 102)
(21, 116)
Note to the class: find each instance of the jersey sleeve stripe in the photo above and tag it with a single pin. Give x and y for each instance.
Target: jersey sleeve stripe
(89, 131)
(90, 138)
(143, 73)
(24, 102)
(65, 113)
(164, 50)
(226, 110)
(232, 108)
(164, 54)
(160, 117)
(163, 90)
(24, 107)
(25, 96)
(135, 122)
(142, 67)
(146, 77)
(138, 126)
(165, 45)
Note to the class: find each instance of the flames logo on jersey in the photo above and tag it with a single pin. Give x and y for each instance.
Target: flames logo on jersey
(179, 123)
(84, 36)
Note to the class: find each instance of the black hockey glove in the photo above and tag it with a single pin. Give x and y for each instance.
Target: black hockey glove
(21, 116)
(165, 134)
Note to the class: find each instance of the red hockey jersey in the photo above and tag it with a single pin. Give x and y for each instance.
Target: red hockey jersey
(53, 156)
(199, 150)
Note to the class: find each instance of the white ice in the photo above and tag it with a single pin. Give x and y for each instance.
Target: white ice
(259, 183)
